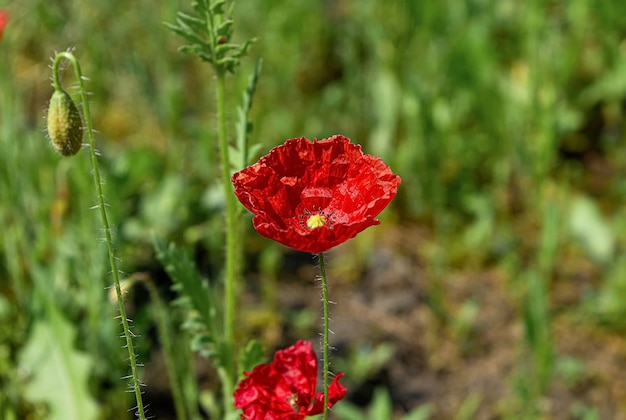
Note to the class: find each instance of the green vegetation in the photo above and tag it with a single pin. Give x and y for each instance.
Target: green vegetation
(505, 120)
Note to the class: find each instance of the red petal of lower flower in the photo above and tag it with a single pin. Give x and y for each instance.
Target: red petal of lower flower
(336, 391)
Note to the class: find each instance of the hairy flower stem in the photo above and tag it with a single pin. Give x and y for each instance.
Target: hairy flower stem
(105, 221)
(230, 280)
(325, 346)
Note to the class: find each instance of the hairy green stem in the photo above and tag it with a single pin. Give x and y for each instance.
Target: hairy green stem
(230, 280)
(105, 220)
(325, 346)
(227, 369)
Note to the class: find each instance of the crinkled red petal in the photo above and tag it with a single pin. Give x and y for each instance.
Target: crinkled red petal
(302, 177)
(336, 391)
(285, 388)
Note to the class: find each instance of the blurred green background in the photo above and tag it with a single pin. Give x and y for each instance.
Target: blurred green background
(505, 120)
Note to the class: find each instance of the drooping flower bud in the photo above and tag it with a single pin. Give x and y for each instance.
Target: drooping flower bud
(64, 124)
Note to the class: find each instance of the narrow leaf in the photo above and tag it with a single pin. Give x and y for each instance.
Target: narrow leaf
(243, 127)
(182, 271)
(217, 8)
(225, 28)
(194, 21)
(251, 356)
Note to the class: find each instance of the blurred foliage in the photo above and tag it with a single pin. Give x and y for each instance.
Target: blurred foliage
(504, 119)
(380, 408)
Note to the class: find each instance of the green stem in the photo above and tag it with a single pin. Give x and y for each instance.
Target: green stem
(230, 280)
(326, 332)
(105, 221)
(163, 329)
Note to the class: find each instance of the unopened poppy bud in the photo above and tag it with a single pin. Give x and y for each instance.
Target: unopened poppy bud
(125, 286)
(64, 124)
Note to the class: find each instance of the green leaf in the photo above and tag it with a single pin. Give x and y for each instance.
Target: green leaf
(192, 21)
(251, 356)
(222, 49)
(228, 63)
(345, 410)
(381, 405)
(420, 413)
(59, 373)
(200, 6)
(244, 152)
(176, 29)
(190, 35)
(244, 48)
(183, 25)
(225, 28)
(588, 225)
(197, 50)
(192, 286)
(253, 151)
(217, 8)
(205, 56)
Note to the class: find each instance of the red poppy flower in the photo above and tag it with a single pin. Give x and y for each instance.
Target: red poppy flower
(285, 388)
(313, 195)
(4, 19)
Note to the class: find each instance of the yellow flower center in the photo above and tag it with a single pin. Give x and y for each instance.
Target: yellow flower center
(293, 402)
(315, 221)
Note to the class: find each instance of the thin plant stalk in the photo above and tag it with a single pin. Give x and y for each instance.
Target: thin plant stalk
(163, 329)
(209, 38)
(227, 371)
(325, 346)
(136, 384)
(230, 279)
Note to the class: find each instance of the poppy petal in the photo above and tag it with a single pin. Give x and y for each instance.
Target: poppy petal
(302, 178)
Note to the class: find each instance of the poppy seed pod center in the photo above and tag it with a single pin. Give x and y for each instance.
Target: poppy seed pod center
(315, 221)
